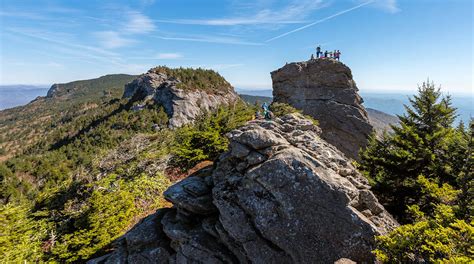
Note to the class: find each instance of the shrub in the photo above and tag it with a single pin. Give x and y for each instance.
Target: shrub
(205, 139)
(281, 109)
(111, 210)
(192, 79)
(21, 237)
(438, 239)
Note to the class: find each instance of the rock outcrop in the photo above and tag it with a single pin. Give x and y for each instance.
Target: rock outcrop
(281, 194)
(325, 90)
(181, 105)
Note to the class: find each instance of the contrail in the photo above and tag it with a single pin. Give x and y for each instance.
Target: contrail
(320, 21)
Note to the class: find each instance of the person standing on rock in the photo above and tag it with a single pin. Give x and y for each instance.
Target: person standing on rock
(318, 52)
(326, 54)
(266, 111)
(338, 55)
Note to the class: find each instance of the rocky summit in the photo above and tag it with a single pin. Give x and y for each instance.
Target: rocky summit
(183, 104)
(281, 194)
(325, 90)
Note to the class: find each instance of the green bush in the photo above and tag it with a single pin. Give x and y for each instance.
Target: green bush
(438, 237)
(109, 212)
(205, 139)
(192, 79)
(21, 236)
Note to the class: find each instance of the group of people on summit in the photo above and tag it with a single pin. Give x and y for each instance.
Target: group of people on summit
(336, 54)
(266, 113)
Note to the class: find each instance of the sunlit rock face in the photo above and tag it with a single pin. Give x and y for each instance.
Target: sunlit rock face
(325, 90)
(183, 106)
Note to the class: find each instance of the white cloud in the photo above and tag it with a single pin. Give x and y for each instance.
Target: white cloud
(22, 15)
(54, 64)
(211, 39)
(388, 5)
(292, 13)
(169, 56)
(46, 36)
(229, 21)
(69, 47)
(147, 2)
(137, 23)
(320, 21)
(112, 39)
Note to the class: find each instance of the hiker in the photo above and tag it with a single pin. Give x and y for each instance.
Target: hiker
(338, 55)
(335, 54)
(326, 54)
(266, 112)
(318, 52)
(265, 107)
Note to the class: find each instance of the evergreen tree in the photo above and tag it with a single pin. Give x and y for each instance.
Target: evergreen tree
(421, 144)
(465, 180)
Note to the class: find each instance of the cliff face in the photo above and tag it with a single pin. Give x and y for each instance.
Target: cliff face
(281, 194)
(325, 90)
(181, 105)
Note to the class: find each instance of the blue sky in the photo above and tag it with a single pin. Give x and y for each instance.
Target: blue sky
(390, 45)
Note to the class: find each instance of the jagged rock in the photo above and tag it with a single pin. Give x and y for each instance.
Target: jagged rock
(191, 194)
(281, 197)
(182, 106)
(325, 90)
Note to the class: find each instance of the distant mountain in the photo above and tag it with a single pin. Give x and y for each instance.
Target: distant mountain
(15, 95)
(380, 120)
(253, 99)
(266, 92)
(392, 103)
(22, 126)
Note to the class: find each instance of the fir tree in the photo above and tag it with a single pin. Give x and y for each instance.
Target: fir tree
(421, 144)
(465, 180)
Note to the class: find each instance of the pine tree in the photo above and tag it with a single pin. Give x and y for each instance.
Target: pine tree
(419, 145)
(465, 179)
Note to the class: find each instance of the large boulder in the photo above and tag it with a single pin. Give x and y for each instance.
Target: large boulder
(182, 105)
(281, 194)
(325, 90)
